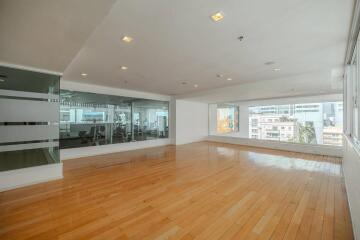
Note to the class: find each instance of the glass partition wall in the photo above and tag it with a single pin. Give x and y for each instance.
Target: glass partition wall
(90, 119)
(29, 119)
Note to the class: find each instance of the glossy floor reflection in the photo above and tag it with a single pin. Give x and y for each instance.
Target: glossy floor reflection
(195, 191)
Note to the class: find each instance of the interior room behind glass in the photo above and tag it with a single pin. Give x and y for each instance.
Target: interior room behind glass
(89, 119)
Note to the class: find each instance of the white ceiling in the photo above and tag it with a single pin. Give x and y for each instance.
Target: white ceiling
(47, 34)
(301, 85)
(175, 41)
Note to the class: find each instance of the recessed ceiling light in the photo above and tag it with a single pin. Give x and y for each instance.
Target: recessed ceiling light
(124, 68)
(127, 39)
(217, 16)
(195, 85)
(277, 69)
(229, 79)
(2, 80)
(84, 74)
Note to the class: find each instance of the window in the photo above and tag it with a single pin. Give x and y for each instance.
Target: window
(227, 119)
(311, 123)
(254, 122)
(352, 94)
(89, 119)
(355, 94)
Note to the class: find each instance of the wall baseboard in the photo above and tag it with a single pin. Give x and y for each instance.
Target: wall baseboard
(294, 147)
(72, 153)
(28, 176)
(194, 140)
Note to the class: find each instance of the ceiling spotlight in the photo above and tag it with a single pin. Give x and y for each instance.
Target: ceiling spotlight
(124, 68)
(84, 74)
(229, 79)
(277, 69)
(127, 39)
(195, 85)
(217, 16)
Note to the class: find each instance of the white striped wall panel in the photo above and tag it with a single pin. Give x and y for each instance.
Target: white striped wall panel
(11, 93)
(28, 133)
(16, 147)
(14, 110)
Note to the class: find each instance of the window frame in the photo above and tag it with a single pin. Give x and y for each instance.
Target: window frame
(352, 98)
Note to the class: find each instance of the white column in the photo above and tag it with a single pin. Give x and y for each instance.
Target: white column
(212, 119)
(243, 121)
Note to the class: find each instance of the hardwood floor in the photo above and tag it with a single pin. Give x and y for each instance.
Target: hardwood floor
(195, 191)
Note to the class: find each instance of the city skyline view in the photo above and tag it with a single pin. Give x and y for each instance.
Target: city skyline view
(310, 123)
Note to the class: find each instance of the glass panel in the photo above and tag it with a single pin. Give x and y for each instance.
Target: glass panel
(312, 123)
(11, 160)
(28, 81)
(150, 119)
(90, 119)
(30, 126)
(227, 119)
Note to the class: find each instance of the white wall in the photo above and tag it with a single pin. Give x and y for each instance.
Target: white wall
(243, 121)
(293, 147)
(76, 86)
(71, 153)
(191, 121)
(172, 121)
(293, 100)
(212, 119)
(351, 158)
(31, 175)
(351, 169)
